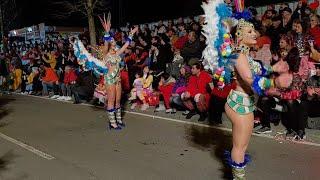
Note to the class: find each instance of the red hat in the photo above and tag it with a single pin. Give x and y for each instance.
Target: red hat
(314, 6)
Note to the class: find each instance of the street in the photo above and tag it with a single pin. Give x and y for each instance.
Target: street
(48, 140)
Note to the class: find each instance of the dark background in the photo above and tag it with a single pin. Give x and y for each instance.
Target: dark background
(134, 11)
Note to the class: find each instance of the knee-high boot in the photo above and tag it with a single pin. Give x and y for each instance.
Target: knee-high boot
(119, 117)
(238, 169)
(112, 120)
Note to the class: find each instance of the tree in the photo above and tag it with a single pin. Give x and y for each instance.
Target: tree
(8, 17)
(89, 8)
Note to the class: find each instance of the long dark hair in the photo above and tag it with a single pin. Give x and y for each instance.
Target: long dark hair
(293, 59)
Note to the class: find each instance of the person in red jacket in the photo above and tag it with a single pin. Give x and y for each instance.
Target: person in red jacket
(196, 92)
(69, 80)
(165, 87)
(218, 100)
(49, 79)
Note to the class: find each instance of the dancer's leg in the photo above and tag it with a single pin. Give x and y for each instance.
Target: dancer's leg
(242, 126)
(118, 104)
(111, 91)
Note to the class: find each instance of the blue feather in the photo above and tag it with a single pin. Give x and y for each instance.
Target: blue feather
(231, 163)
(246, 15)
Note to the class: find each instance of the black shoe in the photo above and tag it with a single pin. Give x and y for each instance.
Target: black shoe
(203, 117)
(290, 134)
(264, 130)
(94, 101)
(300, 135)
(76, 102)
(215, 122)
(190, 114)
(256, 124)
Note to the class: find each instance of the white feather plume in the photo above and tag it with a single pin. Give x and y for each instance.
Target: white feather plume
(211, 32)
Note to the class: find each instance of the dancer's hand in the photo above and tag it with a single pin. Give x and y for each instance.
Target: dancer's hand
(106, 23)
(283, 80)
(281, 67)
(273, 92)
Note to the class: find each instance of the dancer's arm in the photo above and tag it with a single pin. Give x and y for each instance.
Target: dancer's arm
(257, 82)
(106, 23)
(129, 39)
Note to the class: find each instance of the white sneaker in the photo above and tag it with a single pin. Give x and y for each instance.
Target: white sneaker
(160, 108)
(174, 110)
(185, 112)
(133, 106)
(54, 97)
(144, 107)
(68, 98)
(61, 98)
(168, 110)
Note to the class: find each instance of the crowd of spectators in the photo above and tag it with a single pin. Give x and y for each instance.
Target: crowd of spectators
(163, 64)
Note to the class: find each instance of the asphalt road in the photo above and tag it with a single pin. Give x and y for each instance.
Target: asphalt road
(48, 140)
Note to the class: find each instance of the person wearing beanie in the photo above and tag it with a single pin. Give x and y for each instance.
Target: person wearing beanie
(179, 88)
(166, 85)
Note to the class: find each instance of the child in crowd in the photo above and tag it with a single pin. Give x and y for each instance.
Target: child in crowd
(100, 94)
(166, 85)
(137, 87)
(29, 83)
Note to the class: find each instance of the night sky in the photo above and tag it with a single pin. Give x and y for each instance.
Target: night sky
(135, 11)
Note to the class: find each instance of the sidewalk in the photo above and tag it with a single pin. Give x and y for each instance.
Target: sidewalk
(313, 135)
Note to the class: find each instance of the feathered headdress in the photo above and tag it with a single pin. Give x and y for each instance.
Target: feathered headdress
(218, 55)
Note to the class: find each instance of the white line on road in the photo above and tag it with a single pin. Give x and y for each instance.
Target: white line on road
(184, 122)
(27, 147)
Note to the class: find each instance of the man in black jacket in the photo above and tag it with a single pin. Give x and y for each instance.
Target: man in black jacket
(84, 87)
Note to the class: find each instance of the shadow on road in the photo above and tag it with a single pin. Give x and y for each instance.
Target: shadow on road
(213, 140)
(4, 111)
(6, 160)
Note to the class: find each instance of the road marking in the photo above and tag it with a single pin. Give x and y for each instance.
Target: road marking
(27, 147)
(184, 122)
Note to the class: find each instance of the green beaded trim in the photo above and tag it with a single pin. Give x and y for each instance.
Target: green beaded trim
(240, 102)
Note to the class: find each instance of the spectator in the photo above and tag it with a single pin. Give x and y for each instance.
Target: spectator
(191, 51)
(51, 59)
(313, 90)
(17, 78)
(166, 85)
(286, 19)
(137, 89)
(174, 68)
(31, 78)
(84, 87)
(69, 80)
(196, 92)
(179, 88)
(315, 30)
(147, 89)
(300, 37)
(218, 100)
(50, 79)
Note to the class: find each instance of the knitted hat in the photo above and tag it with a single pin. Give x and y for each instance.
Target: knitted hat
(187, 68)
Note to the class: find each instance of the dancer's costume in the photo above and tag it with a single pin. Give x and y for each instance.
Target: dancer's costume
(102, 66)
(220, 55)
